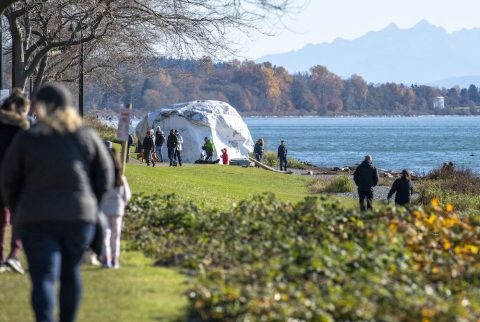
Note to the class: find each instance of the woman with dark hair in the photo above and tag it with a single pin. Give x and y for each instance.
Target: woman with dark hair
(258, 149)
(402, 188)
(13, 118)
(53, 178)
(113, 206)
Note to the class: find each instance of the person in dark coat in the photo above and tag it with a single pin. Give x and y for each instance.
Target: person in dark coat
(258, 149)
(282, 155)
(402, 188)
(148, 148)
(159, 141)
(13, 118)
(172, 143)
(366, 177)
(53, 178)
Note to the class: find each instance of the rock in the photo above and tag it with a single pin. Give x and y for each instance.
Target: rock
(388, 175)
(199, 119)
(310, 173)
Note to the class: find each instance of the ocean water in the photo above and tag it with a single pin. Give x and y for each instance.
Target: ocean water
(416, 143)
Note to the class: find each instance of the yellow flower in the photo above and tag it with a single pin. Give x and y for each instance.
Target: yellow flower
(432, 219)
(435, 270)
(446, 244)
(435, 202)
(470, 249)
(449, 208)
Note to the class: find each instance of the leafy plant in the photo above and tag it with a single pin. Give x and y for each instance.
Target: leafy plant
(338, 184)
(265, 260)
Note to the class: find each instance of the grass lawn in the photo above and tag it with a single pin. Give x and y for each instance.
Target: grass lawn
(136, 292)
(215, 185)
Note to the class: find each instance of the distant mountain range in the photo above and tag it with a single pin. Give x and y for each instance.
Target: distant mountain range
(423, 54)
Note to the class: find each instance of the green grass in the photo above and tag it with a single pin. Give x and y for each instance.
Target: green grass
(138, 291)
(337, 184)
(215, 185)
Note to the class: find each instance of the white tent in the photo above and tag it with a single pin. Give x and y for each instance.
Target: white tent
(196, 120)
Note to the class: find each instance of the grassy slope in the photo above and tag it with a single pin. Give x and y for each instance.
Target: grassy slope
(138, 291)
(215, 185)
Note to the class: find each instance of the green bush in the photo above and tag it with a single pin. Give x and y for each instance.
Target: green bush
(339, 184)
(459, 187)
(106, 132)
(264, 260)
(270, 158)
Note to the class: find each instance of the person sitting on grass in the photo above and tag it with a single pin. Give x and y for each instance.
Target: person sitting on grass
(402, 188)
(224, 156)
(113, 206)
(209, 148)
(13, 118)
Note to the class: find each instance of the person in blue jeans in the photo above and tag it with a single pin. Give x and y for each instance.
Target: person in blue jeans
(53, 178)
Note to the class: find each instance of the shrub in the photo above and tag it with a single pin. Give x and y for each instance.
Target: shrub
(460, 187)
(339, 184)
(106, 132)
(264, 260)
(270, 159)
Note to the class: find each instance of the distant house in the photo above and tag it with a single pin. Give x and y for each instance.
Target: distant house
(439, 102)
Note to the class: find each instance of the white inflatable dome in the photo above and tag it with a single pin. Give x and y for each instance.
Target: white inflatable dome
(196, 120)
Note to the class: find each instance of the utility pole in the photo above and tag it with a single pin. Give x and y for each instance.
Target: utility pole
(80, 82)
(1, 51)
(126, 123)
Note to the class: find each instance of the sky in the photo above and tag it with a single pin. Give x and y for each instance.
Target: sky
(325, 20)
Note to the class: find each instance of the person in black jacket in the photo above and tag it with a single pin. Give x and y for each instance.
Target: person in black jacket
(172, 143)
(159, 141)
(366, 177)
(402, 188)
(148, 148)
(282, 155)
(13, 118)
(53, 178)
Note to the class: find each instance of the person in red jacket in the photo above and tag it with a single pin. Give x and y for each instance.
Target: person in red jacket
(224, 156)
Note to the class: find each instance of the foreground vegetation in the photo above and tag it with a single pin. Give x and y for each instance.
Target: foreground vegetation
(265, 260)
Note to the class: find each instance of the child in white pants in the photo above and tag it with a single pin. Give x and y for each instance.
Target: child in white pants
(113, 206)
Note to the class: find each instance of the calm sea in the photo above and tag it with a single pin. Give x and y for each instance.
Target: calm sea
(416, 143)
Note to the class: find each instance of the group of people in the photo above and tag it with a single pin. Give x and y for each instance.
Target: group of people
(259, 149)
(56, 176)
(152, 145)
(366, 178)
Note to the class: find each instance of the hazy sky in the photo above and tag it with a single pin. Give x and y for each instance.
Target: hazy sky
(325, 20)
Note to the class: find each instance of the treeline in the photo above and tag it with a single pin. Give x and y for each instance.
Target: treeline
(264, 89)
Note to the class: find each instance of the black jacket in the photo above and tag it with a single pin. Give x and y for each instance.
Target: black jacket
(365, 176)
(172, 141)
(147, 143)
(48, 176)
(159, 139)
(282, 151)
(403, 189)
(10, 124)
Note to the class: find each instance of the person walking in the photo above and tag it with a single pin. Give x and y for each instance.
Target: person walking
(53, 178)
(282, 155)
(209, 148)
(148, 147)
(172, 142)
(402, 188)
(366, 177)
(258, 149)
(178, 150)
(113, 206)
(159, 141)
(13, 118)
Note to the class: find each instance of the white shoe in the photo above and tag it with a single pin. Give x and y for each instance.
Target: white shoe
(15, 265)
